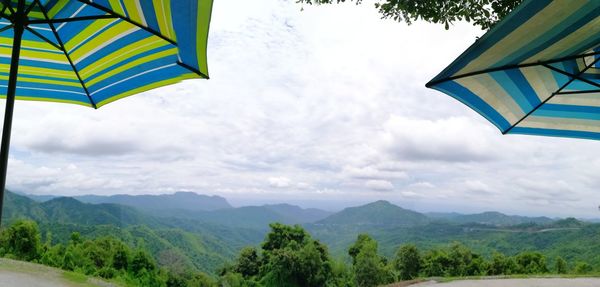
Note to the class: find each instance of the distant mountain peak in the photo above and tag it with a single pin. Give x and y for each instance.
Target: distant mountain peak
(381, 202)
(64, 199)
(380, 213)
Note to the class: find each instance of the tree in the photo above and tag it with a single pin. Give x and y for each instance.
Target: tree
(120, 258)
(361, 241)
(292, 258)
(460, 258)
(22, 239)
(483, 13)
(341, 275)
(53, 255)
(560, 266)
(281, 235)
(478, 266)
(202, 280)
(248, 263)
(142, 262)
(436, 263)
(583, 268)
(368, 267)
(531, 263)
(76, 238)
(408, 262)
(501, 265)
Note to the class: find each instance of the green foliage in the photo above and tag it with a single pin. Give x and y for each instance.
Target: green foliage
(408, 262)
(560, 266)
(370, 269)
(435, 263)
(106, 257)
(175, 243)
(142, 262)
(483, 13)
(501, 265)
(22, 240)
(282, 235)
(531, 263)
(583, 268)
(361, 241)
(341, 275)
(291, 257)
(458, 260)
(158, 255)
(248, 263)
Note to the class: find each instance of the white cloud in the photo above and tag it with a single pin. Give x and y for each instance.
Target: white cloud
(279, 182)
(373, 172)
(421, 184)
(379, 185)
(451, 139)
(306, 105)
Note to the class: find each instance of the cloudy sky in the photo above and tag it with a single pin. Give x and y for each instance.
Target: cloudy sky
(323, 107)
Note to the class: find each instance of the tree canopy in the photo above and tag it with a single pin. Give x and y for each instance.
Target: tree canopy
(482, 13)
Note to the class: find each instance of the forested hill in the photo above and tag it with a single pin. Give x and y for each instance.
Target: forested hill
(217, 210)
(207, 239)
(192, 243)
(379, 213)
(489, 217)
(179, 200)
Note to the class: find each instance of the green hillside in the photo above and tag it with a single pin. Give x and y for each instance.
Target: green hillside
(255, 217)
(380, 213)
(490, 217)
(206, 240)
(199, 245)
(179, 200)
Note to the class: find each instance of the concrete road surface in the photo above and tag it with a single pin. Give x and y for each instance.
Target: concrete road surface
(530, 282)
(24, 274)
(11, 278)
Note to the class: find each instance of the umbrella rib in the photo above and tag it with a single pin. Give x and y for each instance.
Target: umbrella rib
(579, 92)
(34, 32)
(87, 92)
(578, 77)
(110, 12)
(507, 67)
(192, 69)
(29, 8)
(74, 19)
(573, 78)
(6, 28)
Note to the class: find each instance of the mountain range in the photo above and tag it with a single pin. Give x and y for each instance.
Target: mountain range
(207, 232)
(216, 209)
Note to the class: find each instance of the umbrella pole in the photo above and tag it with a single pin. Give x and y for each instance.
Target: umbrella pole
(19, 26)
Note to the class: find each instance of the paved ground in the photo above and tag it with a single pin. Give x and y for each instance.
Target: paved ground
(11, 278)
(23, 274)
(532, 282)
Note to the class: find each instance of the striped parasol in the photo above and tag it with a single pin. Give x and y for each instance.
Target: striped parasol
(536, 72)
(93, 52)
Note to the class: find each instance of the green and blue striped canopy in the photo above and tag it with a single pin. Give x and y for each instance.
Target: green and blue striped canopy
(536, 72)
(93, 52)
